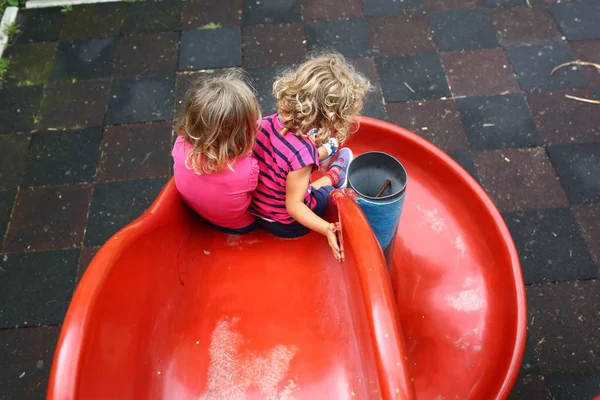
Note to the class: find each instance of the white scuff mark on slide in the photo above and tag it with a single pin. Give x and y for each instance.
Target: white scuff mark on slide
(465, 300)
(469, 340)
(460, 246)
(432, 218)
(234, 240)
(231, 373)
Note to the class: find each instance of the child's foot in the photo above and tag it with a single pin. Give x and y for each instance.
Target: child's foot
(338, 173)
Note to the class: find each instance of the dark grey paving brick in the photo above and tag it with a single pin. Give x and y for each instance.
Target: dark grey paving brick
(19, 108)
(270, 44)
(519, 26)
(26, 356)
(199, 13)
(210, 48)
(479, 72)
(533, 65)
(494, 122)
(413, 28)
(48, 218)
(529, 387)
(561, 120)
(115, 204)
(30, 64)
(507, 3)
(462, 30)
(152, 16)
(415, 77)
(135, 151)
(262, 80)
(449, 5)
(39, 24)
(588, 50)
(578, 167)
(147, 55)
(574, 386)
(587, 218)
(93, 21)
(375, 110)
(36, 288)
(86, 257)
(520, 179)
(565, 328)
(84, 59)
(13, 158)
(368, 68)
(390, 7)
(271, 12)
(141, 100)
(7, 200)
(62, 157)
(529, 365)
(348, 37)
(436, 120)
(82, 103)
(550, 245)
(465, 159)
(324, 10)
(578, 20)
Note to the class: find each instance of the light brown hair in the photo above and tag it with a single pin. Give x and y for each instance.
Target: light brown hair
(219, 121)
(325, 93)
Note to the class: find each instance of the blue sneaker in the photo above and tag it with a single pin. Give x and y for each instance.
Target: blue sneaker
(343, 161)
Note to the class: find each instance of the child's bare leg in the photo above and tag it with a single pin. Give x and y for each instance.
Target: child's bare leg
(323, 181)
(323, 153)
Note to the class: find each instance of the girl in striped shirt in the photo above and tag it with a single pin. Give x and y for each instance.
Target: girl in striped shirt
(319, 101)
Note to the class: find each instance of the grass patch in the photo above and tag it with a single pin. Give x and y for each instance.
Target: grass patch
(10, 3)
(26, 82)
(4, 64)
(211, 25)
(11, 31)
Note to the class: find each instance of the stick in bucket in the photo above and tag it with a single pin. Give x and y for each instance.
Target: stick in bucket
(384, 187)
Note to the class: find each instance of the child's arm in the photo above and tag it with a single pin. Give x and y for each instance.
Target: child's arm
(296, 184)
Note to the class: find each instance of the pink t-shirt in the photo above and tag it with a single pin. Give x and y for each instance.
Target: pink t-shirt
(221, 198)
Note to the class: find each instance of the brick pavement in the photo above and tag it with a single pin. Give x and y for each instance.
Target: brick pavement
(86, 118)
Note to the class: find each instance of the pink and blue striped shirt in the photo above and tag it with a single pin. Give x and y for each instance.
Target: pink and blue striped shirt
(277, 156)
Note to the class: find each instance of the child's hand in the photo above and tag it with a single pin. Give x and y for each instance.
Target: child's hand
(338, 251)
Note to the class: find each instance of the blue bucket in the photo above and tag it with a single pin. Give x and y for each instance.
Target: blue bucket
(367, 175)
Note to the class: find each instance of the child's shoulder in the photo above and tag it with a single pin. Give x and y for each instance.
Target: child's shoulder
(270, 122)
(179, 145)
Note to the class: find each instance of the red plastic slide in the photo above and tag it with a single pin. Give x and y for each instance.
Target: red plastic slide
(172, 309)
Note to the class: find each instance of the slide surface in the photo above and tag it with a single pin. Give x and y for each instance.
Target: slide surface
(172, 309)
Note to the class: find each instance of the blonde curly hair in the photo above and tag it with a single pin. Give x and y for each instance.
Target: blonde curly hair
(323, 93)
(219, 121)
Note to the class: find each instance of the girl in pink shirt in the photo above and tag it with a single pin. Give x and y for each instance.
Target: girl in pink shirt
(213, 167)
